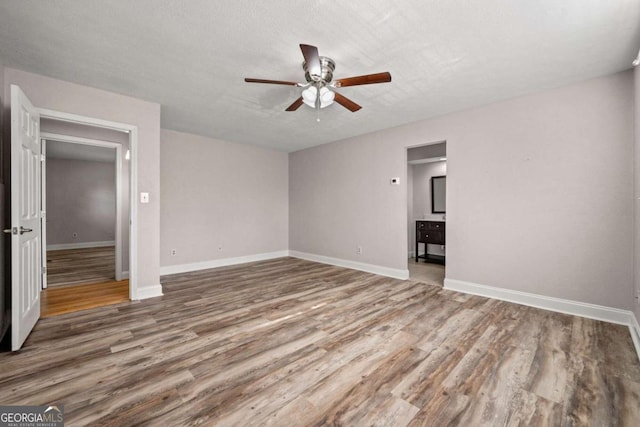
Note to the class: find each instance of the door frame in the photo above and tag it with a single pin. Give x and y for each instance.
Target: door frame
(132, 130)
(118, 165)
(407, 195)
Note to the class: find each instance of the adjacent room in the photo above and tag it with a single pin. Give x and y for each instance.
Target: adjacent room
(426, 210)
(393, 213)
(82, 183)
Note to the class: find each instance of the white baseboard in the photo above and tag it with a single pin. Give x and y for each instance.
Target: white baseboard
(369, 268)
(149, 292)
(80, 245)
(576, 308)
(125, 274)
(204, 265)
(634, 328)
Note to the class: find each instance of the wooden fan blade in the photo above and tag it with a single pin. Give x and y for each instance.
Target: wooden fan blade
(296, 104)
(346, 102)
(312, 59)
(273, 82)
(364, 80)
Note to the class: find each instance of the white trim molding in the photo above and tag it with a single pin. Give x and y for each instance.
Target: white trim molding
(560, 305)
(148, 292)
(118, 174)
(361, 266)
(215, 263)
(132, 130)
(80, 245)
(634, 328)
(576, 308)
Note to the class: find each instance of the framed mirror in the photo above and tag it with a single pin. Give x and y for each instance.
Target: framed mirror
(439, 194)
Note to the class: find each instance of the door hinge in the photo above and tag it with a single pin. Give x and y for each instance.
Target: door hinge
(44, 270)
(43, 157)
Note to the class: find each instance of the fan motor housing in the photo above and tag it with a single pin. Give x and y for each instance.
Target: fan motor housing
(327, 65)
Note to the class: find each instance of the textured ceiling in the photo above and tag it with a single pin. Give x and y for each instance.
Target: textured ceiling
(191, 56)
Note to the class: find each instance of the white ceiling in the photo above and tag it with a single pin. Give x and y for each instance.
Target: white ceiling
(69, 151)
(191, 56)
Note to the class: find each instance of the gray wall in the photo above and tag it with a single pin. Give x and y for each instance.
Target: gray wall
(81, 198)
(421, 196)
(539, 193)
(72, 98)
(220, 199)
(102, 134)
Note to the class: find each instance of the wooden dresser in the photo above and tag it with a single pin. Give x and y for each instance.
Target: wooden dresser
(432, 233)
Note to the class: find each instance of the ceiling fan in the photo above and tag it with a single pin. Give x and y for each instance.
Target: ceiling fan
(319, 90)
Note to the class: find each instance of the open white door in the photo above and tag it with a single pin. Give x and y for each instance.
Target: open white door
(26, 264)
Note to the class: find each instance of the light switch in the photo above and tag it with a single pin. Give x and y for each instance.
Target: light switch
(144, 197)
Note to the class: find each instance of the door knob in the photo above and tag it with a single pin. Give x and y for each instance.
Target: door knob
(14, 230)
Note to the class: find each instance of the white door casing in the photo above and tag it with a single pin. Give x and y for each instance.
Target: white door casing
(43, 210)
(118, 184)
(26, 263)
(132, 130)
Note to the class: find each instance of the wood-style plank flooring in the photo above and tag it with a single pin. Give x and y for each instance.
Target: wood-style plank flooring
(289, 342)
(68, 299)
(87, 265)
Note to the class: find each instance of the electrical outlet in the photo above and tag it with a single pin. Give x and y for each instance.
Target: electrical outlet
(75, 235)
(359, 250)
(220, 247)
(174, 252)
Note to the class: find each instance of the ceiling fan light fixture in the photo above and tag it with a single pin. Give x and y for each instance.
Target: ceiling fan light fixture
(326, 97)
(309, 96)
(318, 73)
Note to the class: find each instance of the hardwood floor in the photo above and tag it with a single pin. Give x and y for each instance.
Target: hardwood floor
(68, 299)
(87, 265)
(289, 342)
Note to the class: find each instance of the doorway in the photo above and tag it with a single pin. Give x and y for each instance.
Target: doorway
(426, 212)
(27, 213)
(85, 205)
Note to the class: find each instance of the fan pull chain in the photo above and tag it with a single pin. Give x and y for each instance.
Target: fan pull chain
(318, 102)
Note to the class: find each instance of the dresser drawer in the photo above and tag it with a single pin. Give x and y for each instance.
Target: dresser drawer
(431, 236)
(435, 225)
